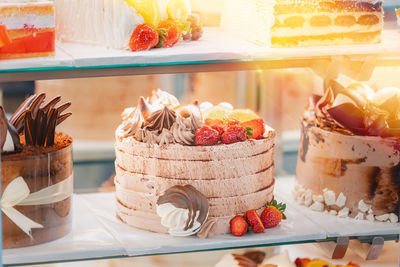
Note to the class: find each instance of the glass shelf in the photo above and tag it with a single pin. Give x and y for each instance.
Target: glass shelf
(216, 51)
(97, 234)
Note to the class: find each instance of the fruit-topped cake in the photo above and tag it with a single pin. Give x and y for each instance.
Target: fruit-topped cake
(27, 29)
(349, 156)
(189, 169)
(127, 24)
(36, 173)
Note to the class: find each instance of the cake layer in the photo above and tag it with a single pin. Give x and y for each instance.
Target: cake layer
(221, 206)
(328, 39)
(197, 153)
(196, 169)
(325, 23)
(152, 222)
(211, 188)
(360, 167)
(31, 10)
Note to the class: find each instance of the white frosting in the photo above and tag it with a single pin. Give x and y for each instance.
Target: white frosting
(175, 220)
(249, 20)
(101, 22)
(9, 144)
(29, 21)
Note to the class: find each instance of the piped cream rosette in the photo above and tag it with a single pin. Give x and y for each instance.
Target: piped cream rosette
(17, 193)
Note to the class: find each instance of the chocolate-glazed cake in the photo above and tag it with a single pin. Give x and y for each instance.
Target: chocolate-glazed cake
(36, 173)
(349, 156)
(327, 22)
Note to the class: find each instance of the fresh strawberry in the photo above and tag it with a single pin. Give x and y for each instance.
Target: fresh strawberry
(206, 136)
(273, 214)
(234, 134)
(144, 37)
(257, 127)
(216, 124)
(238, 225)
(254, 221)
(170, 33)
(230, 122)
(302, 262)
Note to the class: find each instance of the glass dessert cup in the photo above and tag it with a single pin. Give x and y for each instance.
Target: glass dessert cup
(52, 171)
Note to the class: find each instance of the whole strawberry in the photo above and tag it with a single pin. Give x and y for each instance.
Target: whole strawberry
(206, 136)
(144, 37)
(170, 33)
(233, 134)
(273, 214)
(254, 221)
(238, 225)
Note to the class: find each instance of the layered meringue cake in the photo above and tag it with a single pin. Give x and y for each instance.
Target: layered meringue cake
(165, 183)
(349, 156)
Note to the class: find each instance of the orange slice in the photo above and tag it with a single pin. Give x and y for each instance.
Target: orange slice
(243, 115)
(4, 37)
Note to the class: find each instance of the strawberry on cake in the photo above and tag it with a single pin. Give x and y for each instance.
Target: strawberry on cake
(349, 157)
(127, 24)
(189, 169)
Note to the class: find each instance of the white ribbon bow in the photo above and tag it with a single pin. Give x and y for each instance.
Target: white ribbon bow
(17, 194)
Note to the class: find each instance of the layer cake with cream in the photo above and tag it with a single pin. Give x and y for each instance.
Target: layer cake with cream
(349, 156)
(327, 22)
(161, 150)
(27, 29)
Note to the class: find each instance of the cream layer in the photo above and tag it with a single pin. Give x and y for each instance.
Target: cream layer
(308, 30)
(29, 21)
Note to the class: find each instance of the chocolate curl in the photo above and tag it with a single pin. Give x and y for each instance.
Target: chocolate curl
(39, 122)
(350, 117)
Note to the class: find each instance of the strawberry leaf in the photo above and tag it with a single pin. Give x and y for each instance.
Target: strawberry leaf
(249, 131)
(162, 36)
(279, 206)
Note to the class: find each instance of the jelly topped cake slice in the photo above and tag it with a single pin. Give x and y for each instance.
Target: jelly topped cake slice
(327, 22)
(27, 29)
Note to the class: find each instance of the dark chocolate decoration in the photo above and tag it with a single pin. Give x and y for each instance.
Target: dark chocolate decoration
(5, 126)
(38, 121)
(359, 117)
(244, 261)
(255, 255)
(187, 197)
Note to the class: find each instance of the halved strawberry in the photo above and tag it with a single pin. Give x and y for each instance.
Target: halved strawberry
(257, 127)
(238, 225)
(216, 124)
(144, 37)
(273, 214)
(254, 221)
(170, 33)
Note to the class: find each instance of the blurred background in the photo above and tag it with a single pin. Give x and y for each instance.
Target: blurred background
(278, 95)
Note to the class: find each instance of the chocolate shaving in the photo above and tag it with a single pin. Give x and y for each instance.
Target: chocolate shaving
(38, 121)
(3, 127)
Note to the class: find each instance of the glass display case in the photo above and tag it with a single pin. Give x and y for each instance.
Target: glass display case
(275, 82)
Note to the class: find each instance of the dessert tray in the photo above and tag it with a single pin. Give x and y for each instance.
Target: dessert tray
(214, 47)
(97, 234)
